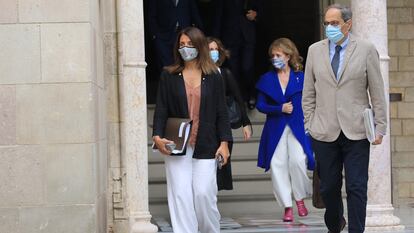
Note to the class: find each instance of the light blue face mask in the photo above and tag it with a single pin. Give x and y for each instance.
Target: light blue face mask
(334, 33)
(278, 62)
(188, 53)
(214, 54)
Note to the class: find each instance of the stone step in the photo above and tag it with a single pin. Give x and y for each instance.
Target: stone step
(251, 194)
(255, 184)
(241, 150)
(254, 115)
(224, 198)
(237, 133)
(228, 205)
(263, 204)
(242, 185)
(239, 167)
(236, 178)
(252, 191)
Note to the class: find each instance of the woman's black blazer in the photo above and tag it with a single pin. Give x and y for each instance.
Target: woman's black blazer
(214, 125)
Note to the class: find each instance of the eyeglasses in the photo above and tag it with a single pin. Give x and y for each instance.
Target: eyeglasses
(333, 23)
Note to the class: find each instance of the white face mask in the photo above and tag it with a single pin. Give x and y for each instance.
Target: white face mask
(188, 53)
(278, 62)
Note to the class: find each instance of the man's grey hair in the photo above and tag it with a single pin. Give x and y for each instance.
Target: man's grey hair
(346, 12)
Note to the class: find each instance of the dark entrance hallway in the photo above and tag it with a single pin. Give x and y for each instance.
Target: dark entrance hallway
(295, 19)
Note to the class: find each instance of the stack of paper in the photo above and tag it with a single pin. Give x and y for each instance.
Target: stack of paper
(369, 124)
(183, 135)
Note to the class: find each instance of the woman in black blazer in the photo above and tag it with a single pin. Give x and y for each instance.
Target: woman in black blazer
(192, 88)
(219, 54)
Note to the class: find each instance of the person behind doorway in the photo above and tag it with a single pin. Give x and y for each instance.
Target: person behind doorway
(235, 25)
(219, 54)
(192, 88)
(284, 147)
(165, 19)
(342, 77)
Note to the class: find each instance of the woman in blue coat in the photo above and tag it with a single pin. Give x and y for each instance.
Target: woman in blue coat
(284, 147)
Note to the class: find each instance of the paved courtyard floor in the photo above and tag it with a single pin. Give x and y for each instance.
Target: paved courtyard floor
(313, 223)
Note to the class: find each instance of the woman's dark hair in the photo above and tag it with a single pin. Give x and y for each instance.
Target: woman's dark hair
(199, 42)
(223, 52)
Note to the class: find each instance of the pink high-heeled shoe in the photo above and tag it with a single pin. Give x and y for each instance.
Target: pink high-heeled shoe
(288, 217)
(302, 211)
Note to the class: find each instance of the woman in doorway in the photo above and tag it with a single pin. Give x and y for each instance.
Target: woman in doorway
(219, 54)
(191, 88)
(284, 147)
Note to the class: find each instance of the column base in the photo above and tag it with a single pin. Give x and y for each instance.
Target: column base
(381, 218)
(140, 222)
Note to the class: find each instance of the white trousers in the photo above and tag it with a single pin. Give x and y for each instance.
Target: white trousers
(288, 170)
(192, 194)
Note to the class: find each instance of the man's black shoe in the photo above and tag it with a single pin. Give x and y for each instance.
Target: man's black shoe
(343, 224)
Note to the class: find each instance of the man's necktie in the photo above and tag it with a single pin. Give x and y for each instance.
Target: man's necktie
(335, 60)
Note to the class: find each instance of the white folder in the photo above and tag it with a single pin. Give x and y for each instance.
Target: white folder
(369, 124)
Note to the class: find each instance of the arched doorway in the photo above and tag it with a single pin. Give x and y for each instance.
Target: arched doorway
(380, 205)
(295, 19)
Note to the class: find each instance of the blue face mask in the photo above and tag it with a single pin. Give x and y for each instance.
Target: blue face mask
(278, 62)
(214, 54)
(334, 33)
(188, 53)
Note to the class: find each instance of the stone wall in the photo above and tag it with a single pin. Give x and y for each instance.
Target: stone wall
(53, 144)
(401, 52)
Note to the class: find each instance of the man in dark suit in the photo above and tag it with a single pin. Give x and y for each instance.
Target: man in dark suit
(165, 19)
(235, 25)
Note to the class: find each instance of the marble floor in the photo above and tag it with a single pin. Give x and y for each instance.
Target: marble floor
(313, 223)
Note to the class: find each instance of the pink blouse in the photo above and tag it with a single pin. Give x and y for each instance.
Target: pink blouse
(193, 102)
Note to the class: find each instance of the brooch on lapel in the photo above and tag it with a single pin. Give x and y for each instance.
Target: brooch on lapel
(297, 79)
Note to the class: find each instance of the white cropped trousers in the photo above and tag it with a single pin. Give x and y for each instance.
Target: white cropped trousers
(288, 170)
(192, 194)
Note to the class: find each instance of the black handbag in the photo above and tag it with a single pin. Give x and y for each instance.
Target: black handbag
(234, 112)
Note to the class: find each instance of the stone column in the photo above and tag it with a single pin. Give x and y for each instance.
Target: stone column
(130, 28)
(370, 22)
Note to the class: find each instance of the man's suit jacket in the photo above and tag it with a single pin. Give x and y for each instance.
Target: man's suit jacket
(163, 16)
(332, 106)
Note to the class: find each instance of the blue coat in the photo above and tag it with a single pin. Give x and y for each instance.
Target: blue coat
(269, 101)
